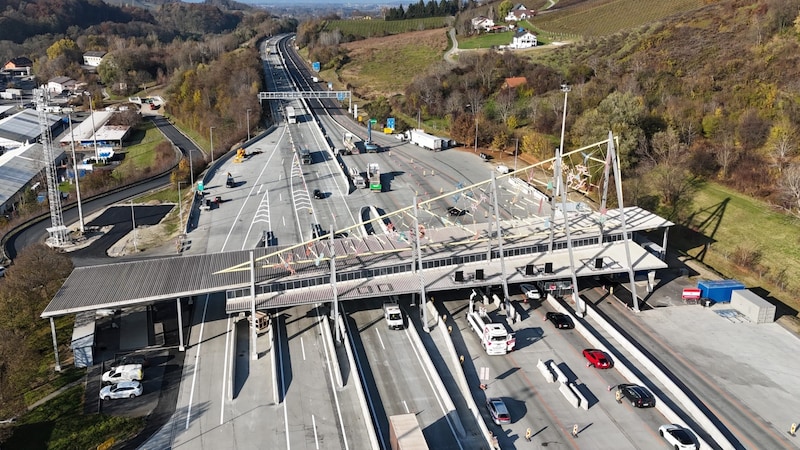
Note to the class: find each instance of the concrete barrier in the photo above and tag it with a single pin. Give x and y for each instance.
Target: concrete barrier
(362, 398)
(461, 379)
(546, 372)
(273, 355)
(327, 338)
(569, 395)
(558, 373)
(581, 398)
(452, 414)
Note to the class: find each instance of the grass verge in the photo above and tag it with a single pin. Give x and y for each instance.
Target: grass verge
(60, 424)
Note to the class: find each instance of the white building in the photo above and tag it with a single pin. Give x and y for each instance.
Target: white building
(93, 58)
(58, 85)
(524, 39)
(482, 23)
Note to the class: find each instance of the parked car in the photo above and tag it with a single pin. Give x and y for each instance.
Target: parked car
(2, 271)
(560, 320)
(678, 437)
(597, 358)
(639, 396)
(125, 389)
(498, 411)
(531, 291)
(502, 168)
(129, 372)
(132, 359)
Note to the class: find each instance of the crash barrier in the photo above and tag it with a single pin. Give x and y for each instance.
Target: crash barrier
(661, 404)
(449, 406)
(327, 337)
(581, 398)
(544, 368)
(557, 371)
(356, 376)
(461, 379)
(569, 395)
(274, 356)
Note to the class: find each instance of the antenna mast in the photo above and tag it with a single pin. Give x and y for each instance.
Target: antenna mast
(59, 234)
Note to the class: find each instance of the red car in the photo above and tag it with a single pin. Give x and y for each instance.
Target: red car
(597, 358)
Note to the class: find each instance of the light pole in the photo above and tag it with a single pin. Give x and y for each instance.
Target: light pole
(133, 219)
(180, 204)
(248, 124)
(94, 129)
(191, 165)
(516, 150)
(211, 131)
(75, 172)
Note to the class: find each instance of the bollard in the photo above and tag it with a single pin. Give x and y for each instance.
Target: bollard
(793, 429)
(450, 329)
(444, 317)
(575, 430)
(461, 359)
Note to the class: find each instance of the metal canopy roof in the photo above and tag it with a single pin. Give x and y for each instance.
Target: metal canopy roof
(140, 282)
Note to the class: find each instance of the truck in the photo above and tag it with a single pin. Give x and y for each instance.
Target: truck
(405, 433)
(350, 143)
(425, 140)
(291, 116)
(305, 156)
(393, 316)
(358, 180)
(495, 338)
(374, 174)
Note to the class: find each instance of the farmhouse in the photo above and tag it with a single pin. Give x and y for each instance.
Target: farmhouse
(93, 58)
(482, 23)
(523, 39)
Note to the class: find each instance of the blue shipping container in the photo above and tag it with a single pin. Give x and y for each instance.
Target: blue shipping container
(719, 290)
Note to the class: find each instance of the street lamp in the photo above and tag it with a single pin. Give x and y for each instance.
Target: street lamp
(516, 150)
(133, 219)
(75, 172)
(191, 166)
(248, 124)
(94, 129)
(180, 203)
(211, 131)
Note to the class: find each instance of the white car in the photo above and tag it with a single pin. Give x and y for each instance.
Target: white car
(125, 389)
(502, 168)
(128, 372)
(531, 291)
(678, 437)
(2, 271)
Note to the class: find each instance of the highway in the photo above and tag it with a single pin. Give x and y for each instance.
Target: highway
(228, 400)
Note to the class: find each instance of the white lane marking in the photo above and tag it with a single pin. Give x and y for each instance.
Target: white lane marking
(283, 218)
(225, 373)
(405, 405)
(196, 361)
(303, 348)
(314, 424)
(333, 383)
(380, 339)
(263, 210)
(244, 203)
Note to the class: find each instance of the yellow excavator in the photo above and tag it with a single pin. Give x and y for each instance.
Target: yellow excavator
(240, 155)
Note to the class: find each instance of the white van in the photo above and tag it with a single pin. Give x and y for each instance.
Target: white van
(393, 316)
(128, 372)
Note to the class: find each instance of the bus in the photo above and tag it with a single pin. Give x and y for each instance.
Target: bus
(305, 156)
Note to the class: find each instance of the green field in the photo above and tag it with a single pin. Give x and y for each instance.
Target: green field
(376, 28)
(729, 221)
(485, 40)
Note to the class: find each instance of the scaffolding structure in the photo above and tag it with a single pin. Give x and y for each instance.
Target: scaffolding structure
(58, 233)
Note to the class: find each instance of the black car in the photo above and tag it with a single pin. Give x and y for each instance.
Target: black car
(318, 194)
(560, 320)
(453, 211)
(639, 396)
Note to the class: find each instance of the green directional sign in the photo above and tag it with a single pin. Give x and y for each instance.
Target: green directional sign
(373, 121)
(200, 186)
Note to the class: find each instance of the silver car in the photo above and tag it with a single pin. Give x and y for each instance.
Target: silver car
(125, 389)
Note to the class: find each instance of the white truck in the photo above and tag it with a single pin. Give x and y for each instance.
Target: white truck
(495, 338)
(291, 115)
(393, 316)
(425, 140)
(358, 180)
(405, 433)
(350, 143)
